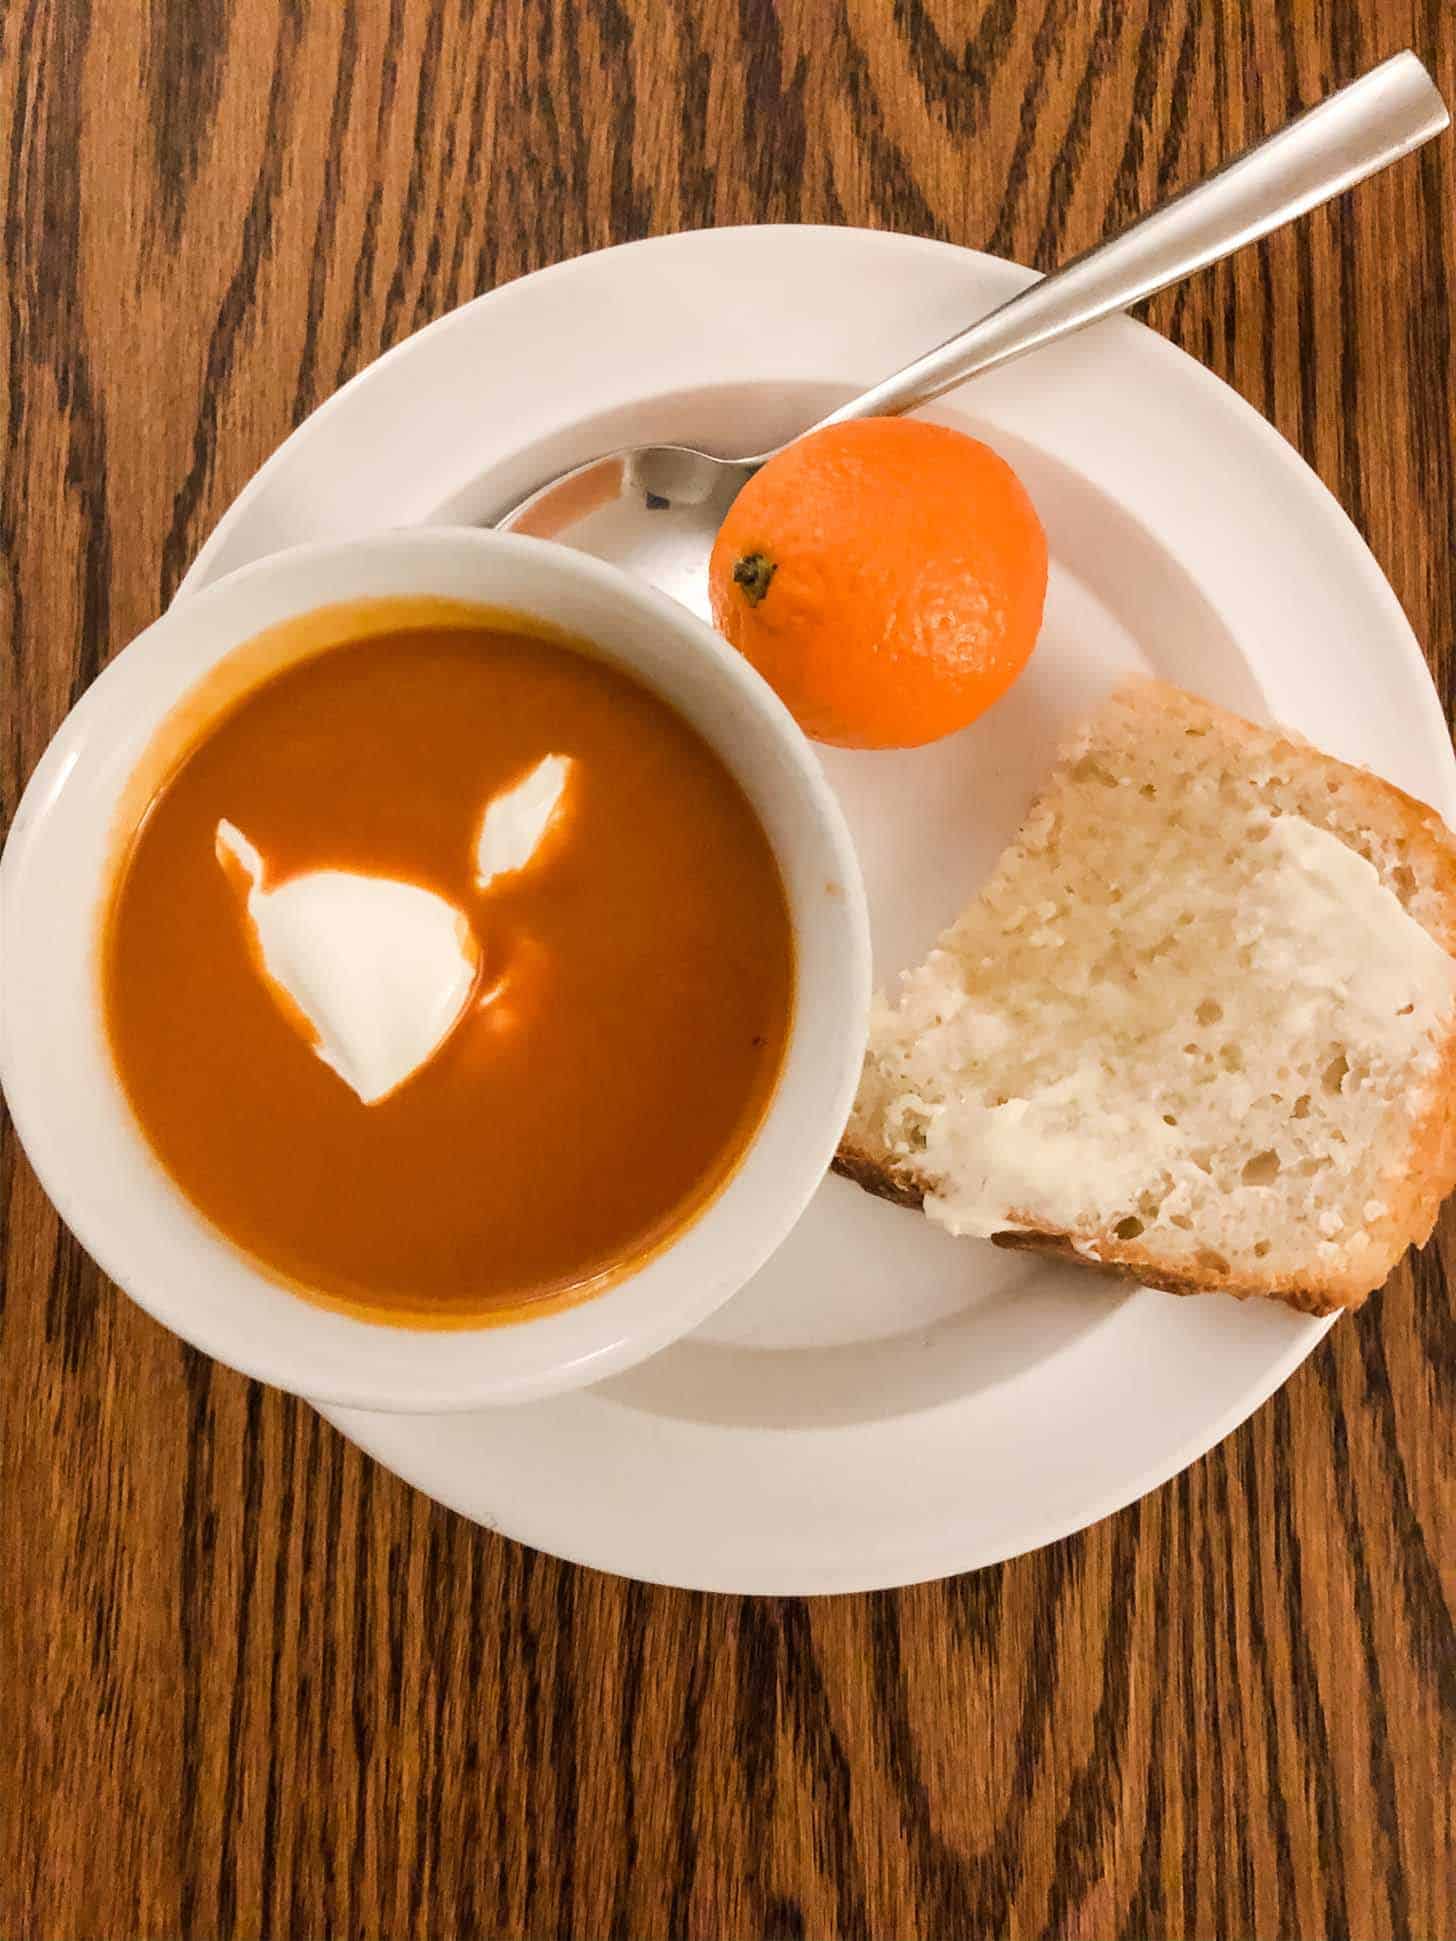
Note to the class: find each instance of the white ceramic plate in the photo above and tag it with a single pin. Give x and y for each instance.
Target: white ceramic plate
(884, 1404)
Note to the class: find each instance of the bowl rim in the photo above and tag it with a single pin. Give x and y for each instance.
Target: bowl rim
(164, 663)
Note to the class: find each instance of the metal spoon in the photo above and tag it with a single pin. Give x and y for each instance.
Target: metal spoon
(658, 507)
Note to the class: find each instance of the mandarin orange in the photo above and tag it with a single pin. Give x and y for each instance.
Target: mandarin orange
(886, 576)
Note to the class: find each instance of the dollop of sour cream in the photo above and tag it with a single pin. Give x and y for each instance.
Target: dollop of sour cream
(378, 971)
(516, 820)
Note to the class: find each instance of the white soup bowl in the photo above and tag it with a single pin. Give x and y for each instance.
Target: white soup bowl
(72, 1114)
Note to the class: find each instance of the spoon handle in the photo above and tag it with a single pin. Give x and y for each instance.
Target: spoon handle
(1321, 153)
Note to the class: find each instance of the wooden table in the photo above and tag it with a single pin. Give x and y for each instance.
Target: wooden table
(251, 1684)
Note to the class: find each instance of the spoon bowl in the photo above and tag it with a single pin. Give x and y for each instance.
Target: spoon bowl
(651, 508)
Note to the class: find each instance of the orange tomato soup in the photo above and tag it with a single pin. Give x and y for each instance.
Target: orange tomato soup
(621, 1042)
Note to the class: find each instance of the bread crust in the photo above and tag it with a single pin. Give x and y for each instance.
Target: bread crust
(1429, 1173)
(1104, 1254)
(876, 1177)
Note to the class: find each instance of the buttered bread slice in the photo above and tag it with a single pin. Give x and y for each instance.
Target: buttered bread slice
(1199, 1027)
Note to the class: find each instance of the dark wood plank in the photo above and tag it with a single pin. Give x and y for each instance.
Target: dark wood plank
(250, 1684)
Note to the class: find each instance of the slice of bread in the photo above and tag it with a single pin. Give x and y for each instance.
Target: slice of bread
(1200, 1026)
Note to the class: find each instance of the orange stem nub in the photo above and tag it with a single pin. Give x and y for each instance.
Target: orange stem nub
(753, 573)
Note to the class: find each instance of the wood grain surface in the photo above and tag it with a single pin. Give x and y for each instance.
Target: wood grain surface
(251, 1685)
